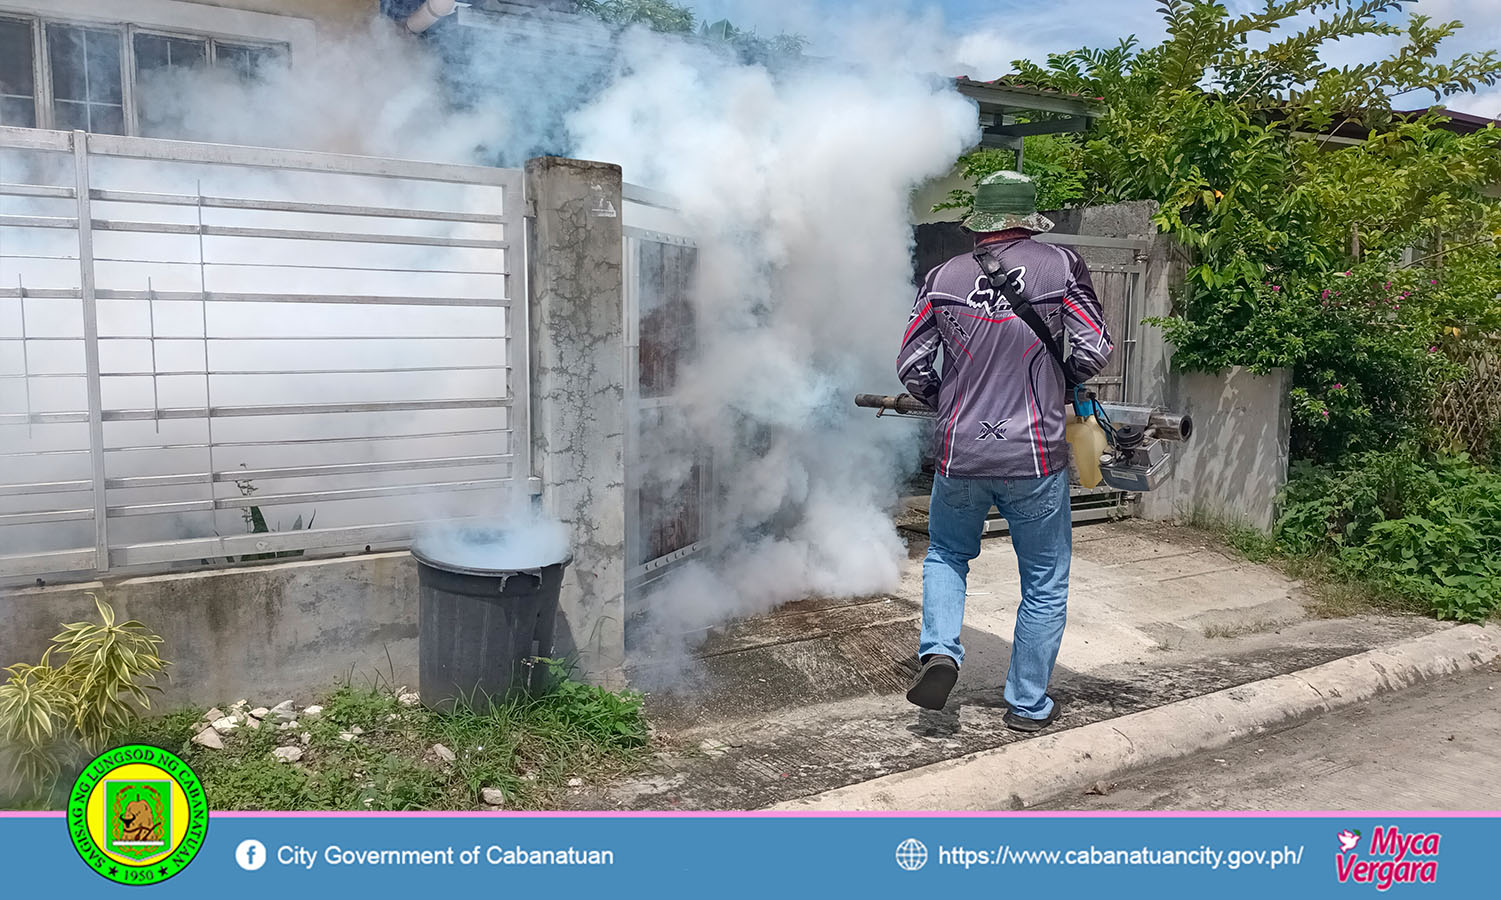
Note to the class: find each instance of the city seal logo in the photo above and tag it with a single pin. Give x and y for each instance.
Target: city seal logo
(137, 815)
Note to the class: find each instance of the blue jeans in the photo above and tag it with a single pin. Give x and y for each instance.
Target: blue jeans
(1042, 536)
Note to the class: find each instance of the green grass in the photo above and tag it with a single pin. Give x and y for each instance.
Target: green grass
(529, 748)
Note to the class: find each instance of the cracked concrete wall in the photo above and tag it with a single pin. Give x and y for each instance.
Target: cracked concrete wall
(264, 632)
(578, 397)
(1235, 464)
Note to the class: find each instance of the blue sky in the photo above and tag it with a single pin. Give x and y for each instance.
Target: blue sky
(987, 34)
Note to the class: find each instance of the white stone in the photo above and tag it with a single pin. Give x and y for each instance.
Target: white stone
(287, 726)
(444, 753)
(284, 706)
(346, 736)
(494, 796)
(356, 730)
(312, 712)
(409, 699)
(253, 722)
(239, 706)
(575, 782)
(287, 754)
(307, 738)
(260, 712)
(209, 738)
(226, 724)
(211, 715)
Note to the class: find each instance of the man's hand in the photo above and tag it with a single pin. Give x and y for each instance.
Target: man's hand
(918, 400)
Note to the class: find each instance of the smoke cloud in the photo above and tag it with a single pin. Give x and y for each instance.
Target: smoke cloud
(796, 183)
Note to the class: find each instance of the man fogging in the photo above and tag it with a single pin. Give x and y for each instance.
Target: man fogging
(1000, 315)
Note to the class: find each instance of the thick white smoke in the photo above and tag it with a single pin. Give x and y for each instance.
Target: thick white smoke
(797, 187)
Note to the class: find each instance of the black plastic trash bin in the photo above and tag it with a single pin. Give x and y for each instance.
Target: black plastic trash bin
(479, 629)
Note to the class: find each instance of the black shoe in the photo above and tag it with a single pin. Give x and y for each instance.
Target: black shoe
(930, 689)
(1022, 723)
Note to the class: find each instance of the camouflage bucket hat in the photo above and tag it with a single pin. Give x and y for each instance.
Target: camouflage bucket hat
(1007, 200)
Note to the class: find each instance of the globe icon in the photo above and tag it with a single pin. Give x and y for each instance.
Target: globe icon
(911, 854)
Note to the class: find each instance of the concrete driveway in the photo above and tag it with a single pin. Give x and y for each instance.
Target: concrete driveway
(810, 697)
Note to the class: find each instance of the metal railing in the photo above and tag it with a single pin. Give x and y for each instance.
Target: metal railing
(193, 336)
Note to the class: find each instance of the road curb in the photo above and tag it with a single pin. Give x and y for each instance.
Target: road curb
(1029, 772)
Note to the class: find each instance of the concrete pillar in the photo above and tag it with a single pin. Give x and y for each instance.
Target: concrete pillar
(1149, 370)
(578, 397)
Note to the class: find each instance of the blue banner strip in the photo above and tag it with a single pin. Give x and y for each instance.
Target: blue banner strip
(712, 856)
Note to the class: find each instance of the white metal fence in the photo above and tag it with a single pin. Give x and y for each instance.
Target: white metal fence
(199, 343)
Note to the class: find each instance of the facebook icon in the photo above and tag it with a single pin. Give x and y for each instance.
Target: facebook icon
(251, 855)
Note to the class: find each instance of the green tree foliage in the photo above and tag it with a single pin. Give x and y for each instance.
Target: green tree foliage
(1301, 246)
(658, 15)
(1051, 160)
(671, 18)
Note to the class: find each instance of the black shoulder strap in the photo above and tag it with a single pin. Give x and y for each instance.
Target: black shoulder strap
(1005, 286)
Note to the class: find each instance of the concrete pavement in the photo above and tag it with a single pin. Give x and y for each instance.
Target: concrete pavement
(808, 699)
(1431, 747)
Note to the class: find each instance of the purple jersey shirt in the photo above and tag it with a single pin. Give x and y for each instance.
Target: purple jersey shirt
(1000, 395)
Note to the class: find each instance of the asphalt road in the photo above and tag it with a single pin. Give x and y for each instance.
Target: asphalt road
(1435, 747)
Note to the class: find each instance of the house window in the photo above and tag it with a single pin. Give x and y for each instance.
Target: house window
(17, 74)
(87, 84)
(157, 52)
(109, 80)
(247, 62)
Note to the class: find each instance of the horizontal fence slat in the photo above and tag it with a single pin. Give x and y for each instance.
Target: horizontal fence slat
(296, 409)
(192, 549)
(332, 299)
(289, 234)
(16, 138)
(249, 372)
(39, 518)
(37, 190)
(54, 418)
(302, 160)
(45, 487)
(395, 490)
(410, 465)
(303, 442)
(330, 209)
(9, 221)
(14, 293)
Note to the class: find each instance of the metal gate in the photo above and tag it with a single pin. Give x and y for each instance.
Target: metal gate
(1116, 266)
(213, 353)
(669, 476)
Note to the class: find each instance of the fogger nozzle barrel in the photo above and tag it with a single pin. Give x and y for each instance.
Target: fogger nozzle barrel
(905, 405)
(1160, 423)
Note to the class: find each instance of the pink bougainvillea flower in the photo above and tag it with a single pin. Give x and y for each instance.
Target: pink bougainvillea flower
(1276, 287)
(1326, 413)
